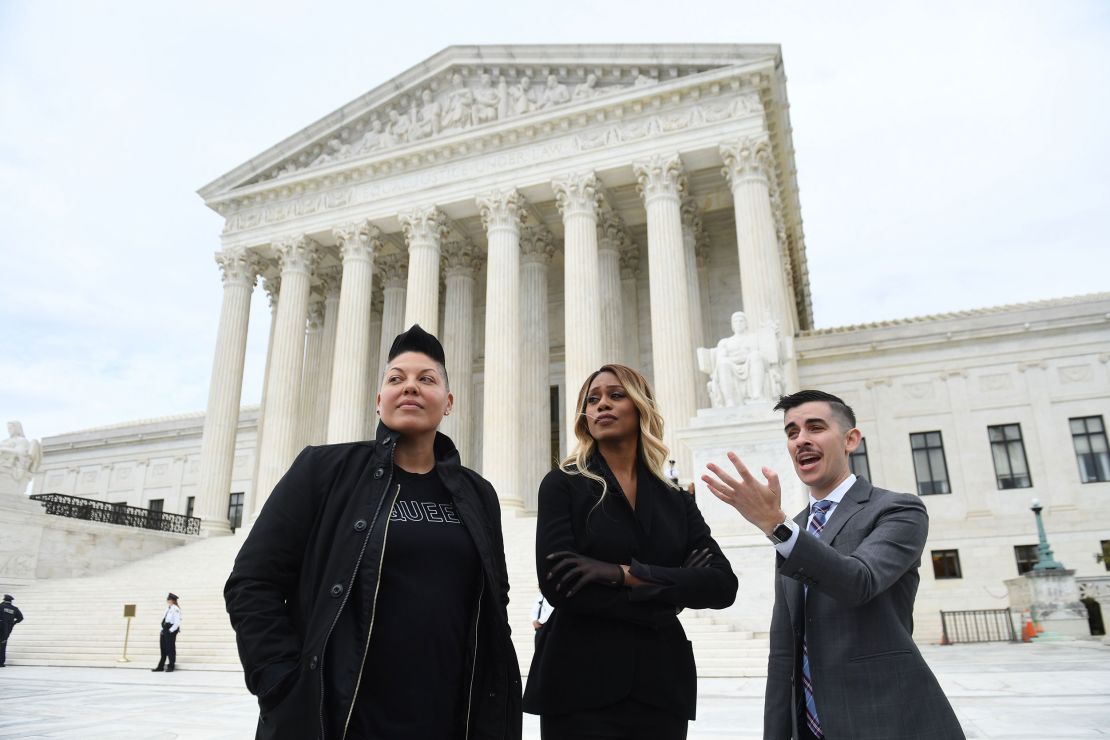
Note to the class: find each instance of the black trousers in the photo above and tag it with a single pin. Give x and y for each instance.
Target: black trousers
(5, 632)
(626, 720)
(167, 641)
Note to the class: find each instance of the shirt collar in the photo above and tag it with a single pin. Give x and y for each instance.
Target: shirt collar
(837, 493)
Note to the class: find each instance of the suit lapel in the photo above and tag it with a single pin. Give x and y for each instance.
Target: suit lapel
(852, 502)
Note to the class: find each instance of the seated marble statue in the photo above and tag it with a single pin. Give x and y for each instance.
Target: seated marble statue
(743, 367)
(19, 456)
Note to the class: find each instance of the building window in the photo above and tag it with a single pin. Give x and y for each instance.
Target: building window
(189, 502)
(946, 564)
(928, 463)
(1088, 434)
(1106, 554)
(235, 511)
(858, 460)
(1026, 558)
(155, 505)
(1011, 470)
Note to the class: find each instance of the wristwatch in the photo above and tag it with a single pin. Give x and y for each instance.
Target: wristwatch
(782, 532)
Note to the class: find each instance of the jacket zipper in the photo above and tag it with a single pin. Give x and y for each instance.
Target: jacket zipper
(347, 595)
(474, 660)
(373, 611)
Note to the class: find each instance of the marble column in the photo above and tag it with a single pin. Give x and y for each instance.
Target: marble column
(298, 257)
(394, 269)
(330, 282)
(537, 248)
(691, 231)
(461, 263)
(374, 372)
(749, 168)
(501, 213)
(610, 232)
(577, 199)
(221, 420)
(272, 285)
(310, 375)
(424, 231)
(349, 405)
(661, 182)
(630, 300)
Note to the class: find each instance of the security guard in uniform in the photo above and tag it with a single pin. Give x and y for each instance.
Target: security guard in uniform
(167, 640)
(10, 616)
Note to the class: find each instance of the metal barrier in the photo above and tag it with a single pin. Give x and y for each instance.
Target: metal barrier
(980, 625)
(128, 516)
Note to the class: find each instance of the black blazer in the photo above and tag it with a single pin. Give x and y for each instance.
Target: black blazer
(606, 644)
(302, 642)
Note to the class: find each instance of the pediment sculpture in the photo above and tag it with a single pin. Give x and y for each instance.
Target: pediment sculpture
(743, 368)
(463, 103)
(20, 458)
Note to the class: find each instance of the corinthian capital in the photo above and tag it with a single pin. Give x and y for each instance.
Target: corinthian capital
(239, 267)
(461, 258)
(394, 268)
(272, 285)
(577, 194)
(298, 254)
(536, 245)
(358, 241)
(610, 230)
(630, 259)
(501, 209)
(426, 225)
(749, 158)
(660, 177)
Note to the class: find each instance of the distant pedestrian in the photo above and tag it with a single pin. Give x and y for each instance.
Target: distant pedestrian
(167, 641)
(671, 471)
(10, 616)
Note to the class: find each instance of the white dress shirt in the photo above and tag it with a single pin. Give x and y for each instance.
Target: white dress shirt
(541, 610)
(172, 617)
(785, 548)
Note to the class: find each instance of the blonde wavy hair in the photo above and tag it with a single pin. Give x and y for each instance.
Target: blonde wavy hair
(650, 447)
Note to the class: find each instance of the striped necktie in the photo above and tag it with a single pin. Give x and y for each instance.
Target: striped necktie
(816, 524)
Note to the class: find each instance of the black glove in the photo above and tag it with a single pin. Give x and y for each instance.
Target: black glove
(574, 571)
(698, 558)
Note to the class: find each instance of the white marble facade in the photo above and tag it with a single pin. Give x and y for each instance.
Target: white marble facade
(546, 209)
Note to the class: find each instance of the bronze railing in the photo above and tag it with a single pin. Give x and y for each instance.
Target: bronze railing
(127, 516)
(978, 625)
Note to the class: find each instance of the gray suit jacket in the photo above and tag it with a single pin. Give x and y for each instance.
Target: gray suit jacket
(870, 681)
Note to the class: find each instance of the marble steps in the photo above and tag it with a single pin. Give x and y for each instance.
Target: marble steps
(78, 621)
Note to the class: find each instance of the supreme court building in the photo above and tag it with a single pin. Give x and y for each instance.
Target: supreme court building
(547, 209)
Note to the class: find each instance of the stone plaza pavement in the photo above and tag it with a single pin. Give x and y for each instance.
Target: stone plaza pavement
(1037, 691)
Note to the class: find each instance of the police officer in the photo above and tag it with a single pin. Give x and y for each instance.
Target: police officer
(10, 616)
(167, 641)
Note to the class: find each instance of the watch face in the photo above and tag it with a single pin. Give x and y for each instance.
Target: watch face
(781, 533)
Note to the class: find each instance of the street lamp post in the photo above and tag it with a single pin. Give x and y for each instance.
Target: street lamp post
(1045, 561)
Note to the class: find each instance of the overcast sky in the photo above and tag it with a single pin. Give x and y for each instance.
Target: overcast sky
(950, 155)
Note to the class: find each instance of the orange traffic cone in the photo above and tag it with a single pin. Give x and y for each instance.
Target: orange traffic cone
(1028, 629)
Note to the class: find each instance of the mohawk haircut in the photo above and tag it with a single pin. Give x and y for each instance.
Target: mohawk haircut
(841, 411)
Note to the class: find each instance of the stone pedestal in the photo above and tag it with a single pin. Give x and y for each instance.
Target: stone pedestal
(1052, 597)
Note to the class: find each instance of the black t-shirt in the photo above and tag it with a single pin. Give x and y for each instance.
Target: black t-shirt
(413, 684)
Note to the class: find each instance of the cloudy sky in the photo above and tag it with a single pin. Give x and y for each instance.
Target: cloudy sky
(950, 155)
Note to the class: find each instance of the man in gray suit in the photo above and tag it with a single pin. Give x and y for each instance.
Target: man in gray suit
(843, 663)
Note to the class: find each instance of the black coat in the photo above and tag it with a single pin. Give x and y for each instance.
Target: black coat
(323, 528)
(604, 644)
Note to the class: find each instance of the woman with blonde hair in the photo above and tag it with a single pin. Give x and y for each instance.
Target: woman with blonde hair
(619, 552)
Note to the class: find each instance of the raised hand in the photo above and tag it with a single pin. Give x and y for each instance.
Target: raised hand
(759, 503)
